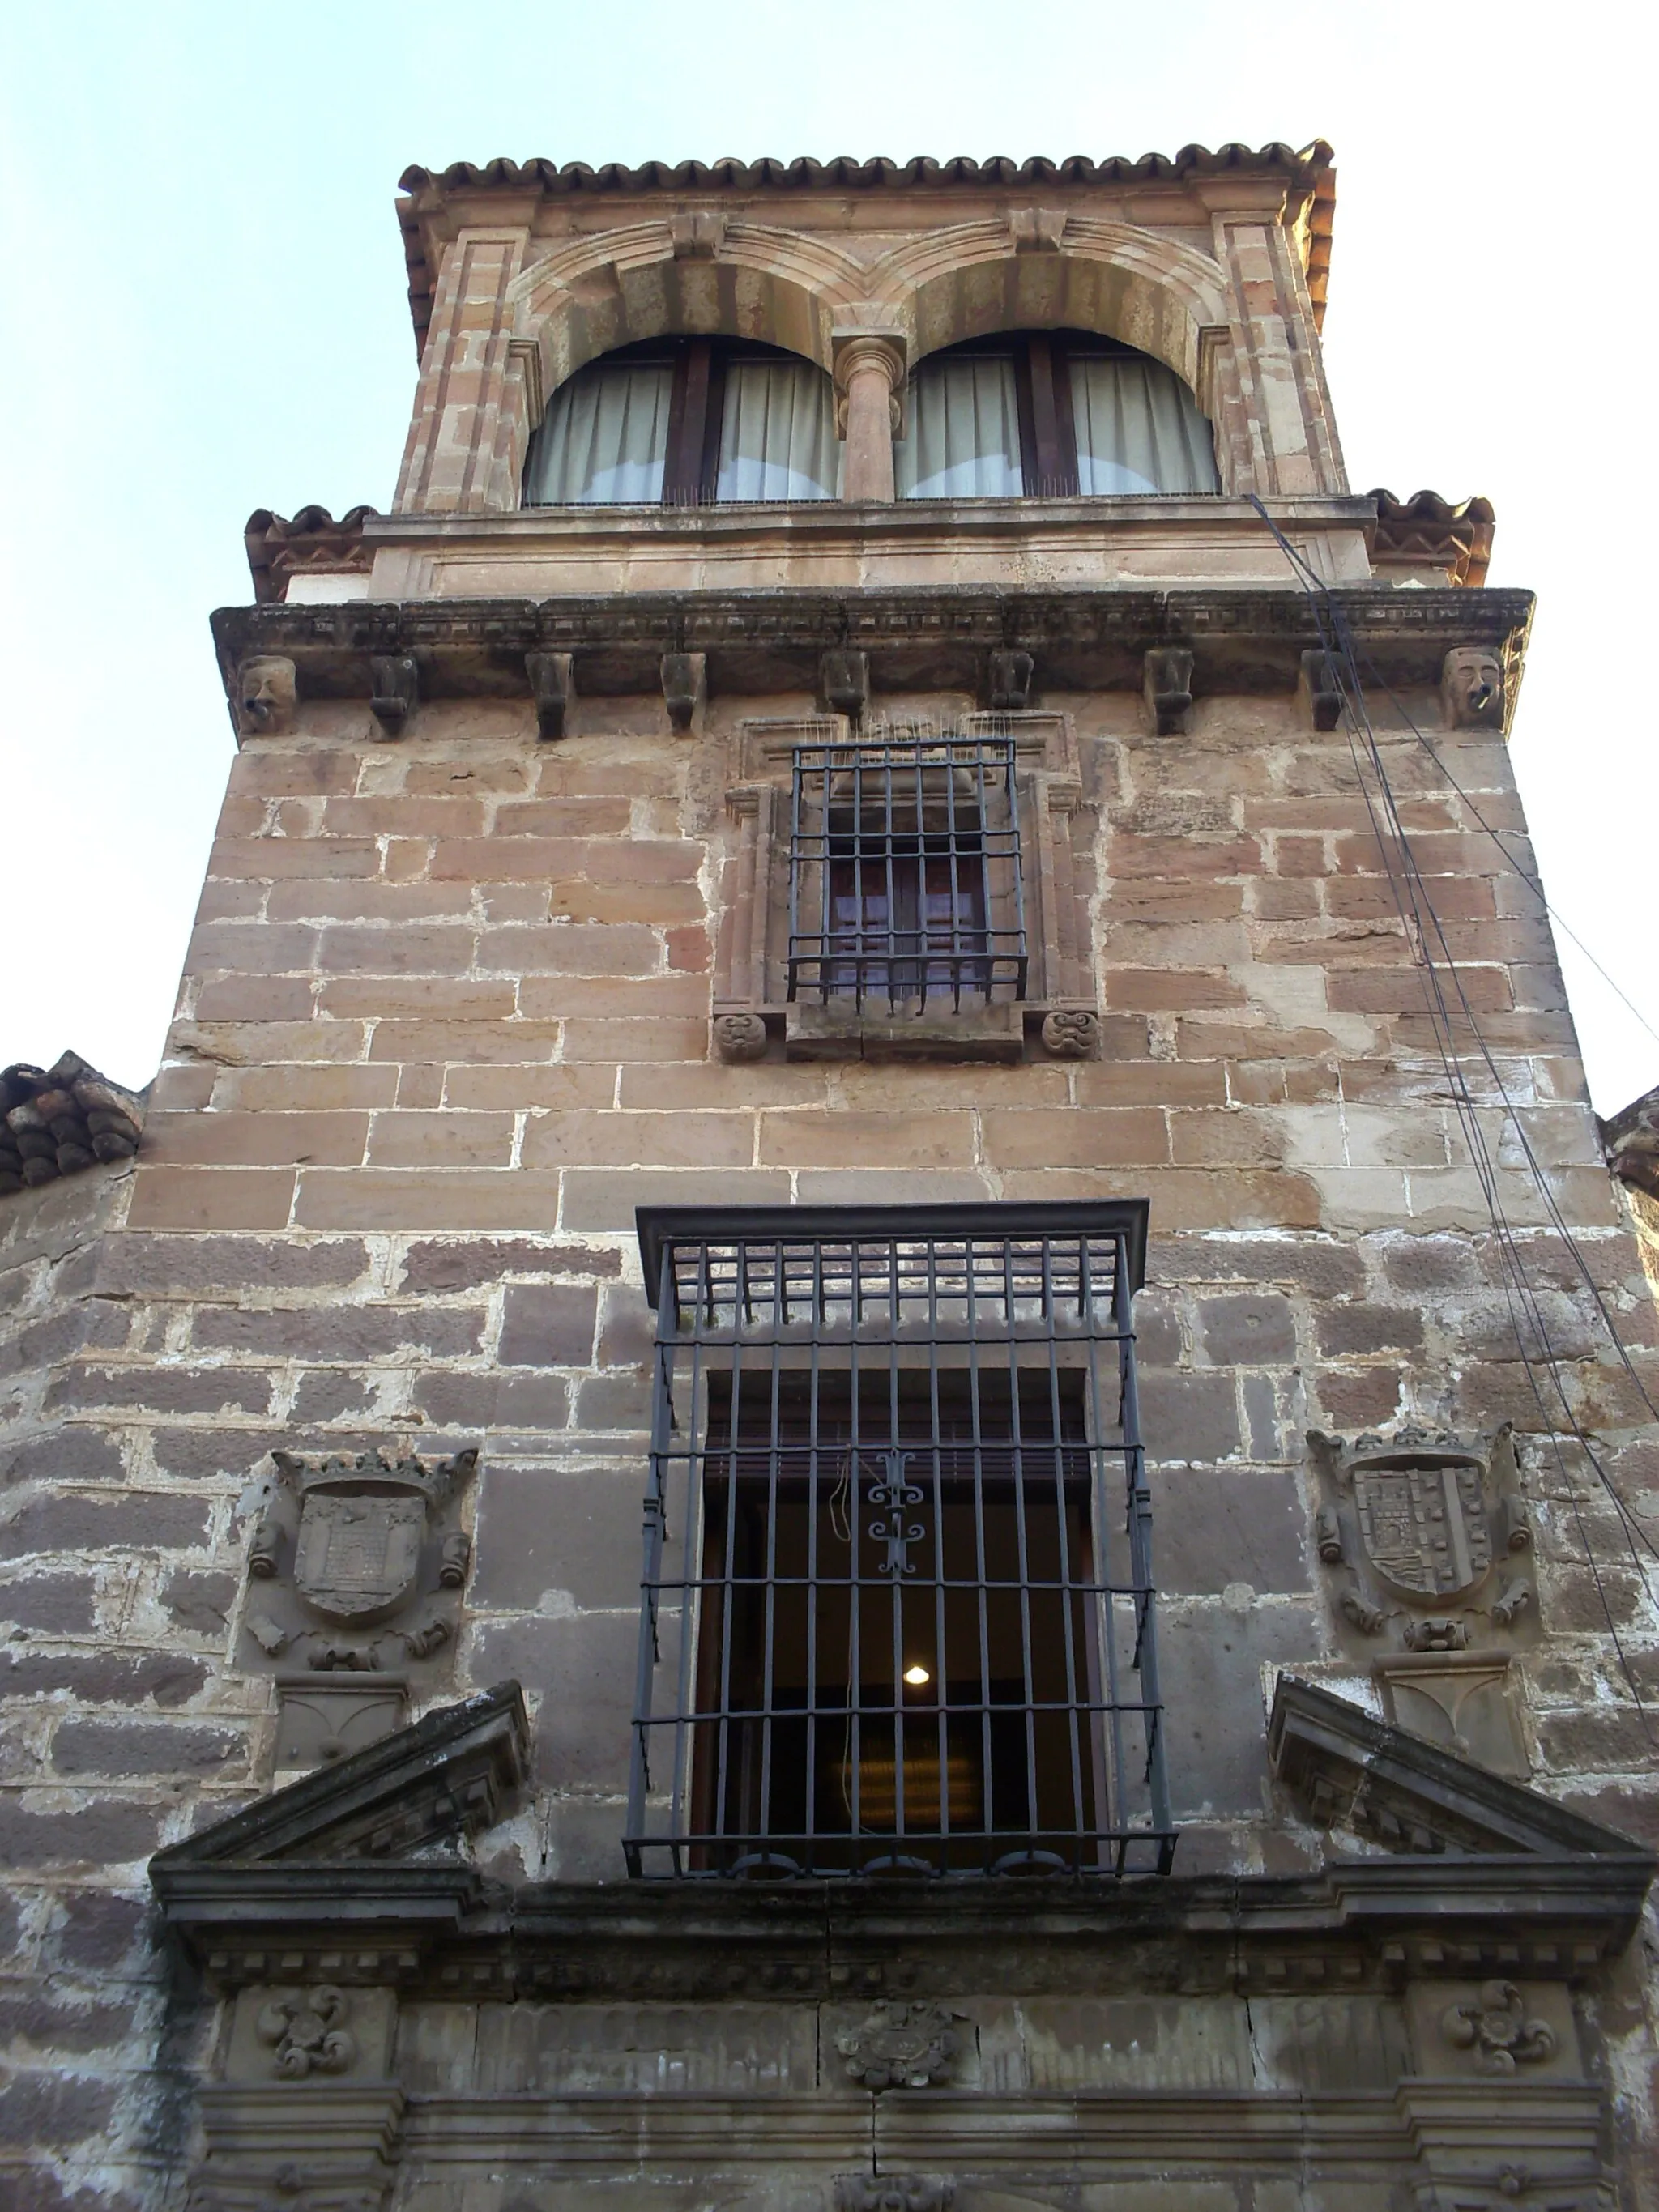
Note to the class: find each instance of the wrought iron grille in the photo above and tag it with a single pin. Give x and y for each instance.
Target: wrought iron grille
(898, 1603)
(904, 874)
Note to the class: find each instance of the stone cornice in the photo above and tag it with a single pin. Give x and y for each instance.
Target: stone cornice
(1359, 1923)
(1243, 640)
(437, 202)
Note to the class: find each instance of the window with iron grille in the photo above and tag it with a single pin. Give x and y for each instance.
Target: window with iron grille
(897, 1606)
(904, 874)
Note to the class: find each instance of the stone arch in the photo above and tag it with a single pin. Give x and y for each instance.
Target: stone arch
(1151, 292)
(625, 285)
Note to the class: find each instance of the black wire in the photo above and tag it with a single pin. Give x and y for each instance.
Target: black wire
(1337, 647)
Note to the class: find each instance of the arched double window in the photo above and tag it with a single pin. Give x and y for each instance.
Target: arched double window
(1051, 415)
(684, 422)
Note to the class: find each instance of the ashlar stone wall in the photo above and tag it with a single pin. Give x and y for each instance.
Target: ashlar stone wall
(445, 1025)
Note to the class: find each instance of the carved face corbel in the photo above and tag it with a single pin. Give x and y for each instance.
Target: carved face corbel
(267, 692)
(1471, 689)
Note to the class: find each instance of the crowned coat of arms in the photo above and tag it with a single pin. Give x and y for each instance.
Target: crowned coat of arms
(1426, 1535)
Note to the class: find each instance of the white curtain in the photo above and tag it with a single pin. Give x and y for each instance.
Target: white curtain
(963, 440)
(1139, 430)
(778, 433)
(604, 440)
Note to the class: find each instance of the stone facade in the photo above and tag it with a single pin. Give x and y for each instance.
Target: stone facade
(475, 976)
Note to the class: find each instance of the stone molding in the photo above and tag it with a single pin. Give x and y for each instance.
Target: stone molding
(1248, 640)
(1349, 1770)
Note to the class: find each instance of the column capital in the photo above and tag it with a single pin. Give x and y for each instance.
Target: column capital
(861, 346)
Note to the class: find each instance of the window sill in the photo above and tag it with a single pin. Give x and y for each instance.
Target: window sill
(995, 1034)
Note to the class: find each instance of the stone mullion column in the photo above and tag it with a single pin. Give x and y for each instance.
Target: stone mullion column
(869, 372)
(1285, 407)
(452, 462)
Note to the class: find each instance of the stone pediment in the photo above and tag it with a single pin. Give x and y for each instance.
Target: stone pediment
(454, 1773)
(1348, 1770)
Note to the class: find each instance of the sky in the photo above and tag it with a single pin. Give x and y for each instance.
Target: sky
(203, 312)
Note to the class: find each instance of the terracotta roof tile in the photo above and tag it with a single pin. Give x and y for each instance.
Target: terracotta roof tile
(55, 1121)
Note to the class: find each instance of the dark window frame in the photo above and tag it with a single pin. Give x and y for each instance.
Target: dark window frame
(1061, 1773)
(1042, 393)
(696, 405)
(889, 824)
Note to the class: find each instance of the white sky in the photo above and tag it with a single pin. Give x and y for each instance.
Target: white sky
(203, 312)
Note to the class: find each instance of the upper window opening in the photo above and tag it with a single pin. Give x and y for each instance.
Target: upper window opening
(904, 874)
(1049, 415)
(685, 422)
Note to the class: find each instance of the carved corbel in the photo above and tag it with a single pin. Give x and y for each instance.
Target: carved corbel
(740, 1037)
(684, 690)
(697, 235)
(1009, 682)
(894, 2192)
(1168, 687)
(397, 690)
(1071, 1033)
(1471, 689)
(1036, 230)
(553, 686)
(1319, 689)
(267, 691)
(844, 680)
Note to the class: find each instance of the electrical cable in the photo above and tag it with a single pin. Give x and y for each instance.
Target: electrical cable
(1422, 928)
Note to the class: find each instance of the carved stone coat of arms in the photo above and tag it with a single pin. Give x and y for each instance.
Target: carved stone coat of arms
(354, 1574)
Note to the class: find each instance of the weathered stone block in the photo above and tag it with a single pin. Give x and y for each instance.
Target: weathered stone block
(1248, 1332)
(1212, 1528)
(547, 1325)
(74, 1521)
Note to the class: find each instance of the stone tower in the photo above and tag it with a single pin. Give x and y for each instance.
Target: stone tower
(867, 1424)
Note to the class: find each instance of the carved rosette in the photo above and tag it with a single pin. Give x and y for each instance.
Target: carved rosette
(1497, 2029)
(307, 2034)
(908, 2046)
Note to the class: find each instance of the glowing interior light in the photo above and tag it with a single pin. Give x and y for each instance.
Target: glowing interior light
(917, 1675)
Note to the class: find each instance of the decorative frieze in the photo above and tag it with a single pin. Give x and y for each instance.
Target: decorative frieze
(939, 636)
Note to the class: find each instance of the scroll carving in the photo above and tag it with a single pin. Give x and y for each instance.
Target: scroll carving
(907, 2046)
